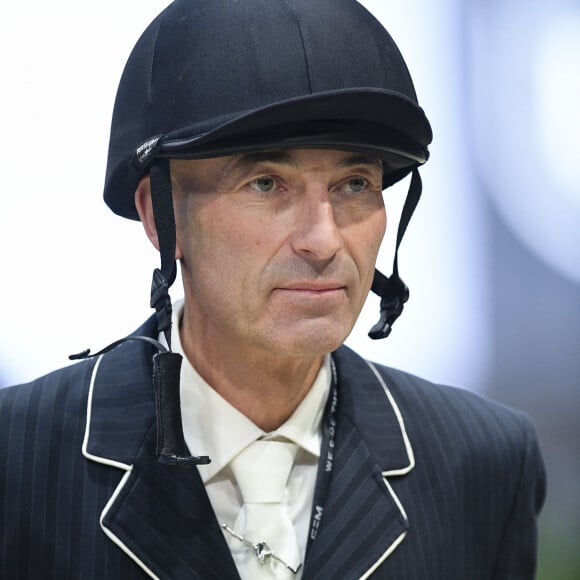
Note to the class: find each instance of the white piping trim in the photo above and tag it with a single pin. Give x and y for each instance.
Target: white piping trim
(396, 499)
(103, 460)
(391, 549)
(112, 536)
(393, 472)
(88, 455)
(408, 447)
(396, 543)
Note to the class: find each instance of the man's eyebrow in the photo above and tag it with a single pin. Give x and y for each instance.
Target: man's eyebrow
(359, 159)
(247, 161)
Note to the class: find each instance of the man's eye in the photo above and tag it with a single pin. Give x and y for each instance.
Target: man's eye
(356, 185)
(263, 184)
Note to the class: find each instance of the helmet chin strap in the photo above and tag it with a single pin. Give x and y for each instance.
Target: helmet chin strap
(171, 446)
(162, 201)
(393, 291)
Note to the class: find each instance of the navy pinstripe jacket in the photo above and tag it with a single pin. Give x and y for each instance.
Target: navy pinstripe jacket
(429, 482)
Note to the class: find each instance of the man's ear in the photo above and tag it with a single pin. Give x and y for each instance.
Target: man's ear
(145, 210)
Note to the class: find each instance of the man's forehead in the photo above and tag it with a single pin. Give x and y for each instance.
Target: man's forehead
(296, 158)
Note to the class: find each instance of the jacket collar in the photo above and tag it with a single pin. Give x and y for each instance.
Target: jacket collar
(121, 405)
(369, 404)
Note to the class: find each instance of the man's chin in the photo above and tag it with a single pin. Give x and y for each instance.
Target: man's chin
(311, 339)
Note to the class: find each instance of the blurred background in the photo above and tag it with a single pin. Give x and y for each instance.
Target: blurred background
(492, 256)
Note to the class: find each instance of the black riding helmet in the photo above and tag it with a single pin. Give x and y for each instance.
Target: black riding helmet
(212, 78)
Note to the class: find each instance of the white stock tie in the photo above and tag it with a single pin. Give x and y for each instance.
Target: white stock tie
(263, 535)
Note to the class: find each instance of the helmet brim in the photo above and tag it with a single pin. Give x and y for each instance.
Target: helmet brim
(382, 109)
(374, 121)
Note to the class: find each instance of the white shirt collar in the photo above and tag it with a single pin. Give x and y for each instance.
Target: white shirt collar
(212, 426)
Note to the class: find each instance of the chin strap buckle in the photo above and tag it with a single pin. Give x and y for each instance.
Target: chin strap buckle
(161, 302)
(394, 293)
(171, 446)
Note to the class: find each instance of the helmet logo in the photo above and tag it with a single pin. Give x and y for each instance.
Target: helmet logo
(145, 152)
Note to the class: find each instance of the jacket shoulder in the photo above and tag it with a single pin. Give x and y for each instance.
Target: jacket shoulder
(54, 390)
(427, 404)
(51, 410)
(450, 406)
(42, 425)
(67, 388)
(456, 427)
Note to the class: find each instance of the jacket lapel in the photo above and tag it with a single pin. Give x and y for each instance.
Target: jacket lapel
(363, 521)
(159, 515)
(162, 516)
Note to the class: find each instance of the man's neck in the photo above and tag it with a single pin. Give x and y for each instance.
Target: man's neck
(265, 388)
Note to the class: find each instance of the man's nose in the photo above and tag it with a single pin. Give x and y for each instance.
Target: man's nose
(316, 235)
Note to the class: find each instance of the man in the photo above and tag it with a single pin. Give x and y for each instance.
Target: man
(232, 435)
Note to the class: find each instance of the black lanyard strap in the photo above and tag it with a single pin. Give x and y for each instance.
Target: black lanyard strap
(326, 462)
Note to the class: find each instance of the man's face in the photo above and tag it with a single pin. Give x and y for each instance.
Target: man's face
(278, 248)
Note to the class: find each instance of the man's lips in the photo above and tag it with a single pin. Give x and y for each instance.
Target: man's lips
(313, 288)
